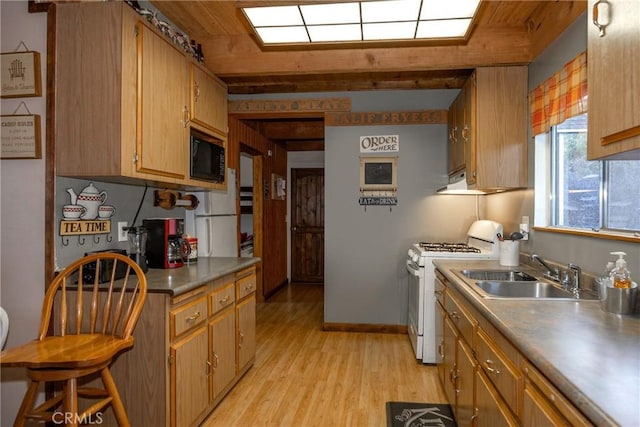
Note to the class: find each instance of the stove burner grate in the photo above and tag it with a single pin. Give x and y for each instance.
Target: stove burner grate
(448, 247)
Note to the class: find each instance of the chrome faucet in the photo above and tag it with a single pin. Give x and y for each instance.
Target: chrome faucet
(551, 273)
(577, 271)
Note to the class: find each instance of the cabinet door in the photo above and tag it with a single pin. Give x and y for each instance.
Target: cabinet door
(449, 361)
(537, 412)
(246, 339)
(451, 137)
(162, 106)
(469, 127)
(223, 350)
(441, 315)
(208, 101)
(490, 409)
(465, 406)
(190, 372)
(460, 125)
(614, 63)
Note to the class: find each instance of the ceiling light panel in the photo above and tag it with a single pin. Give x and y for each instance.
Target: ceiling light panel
(390, 11)
(389, 31)
(331, 13)
(448, 9)
(356, 21)
(273, 16)
(283, 34)
(334, 33)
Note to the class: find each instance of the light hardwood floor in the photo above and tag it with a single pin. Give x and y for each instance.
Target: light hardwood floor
(304, 376)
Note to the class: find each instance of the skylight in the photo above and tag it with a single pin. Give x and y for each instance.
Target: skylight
(362, 21)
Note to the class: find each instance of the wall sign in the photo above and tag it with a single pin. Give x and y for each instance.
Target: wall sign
(380, 144)
(20, 137)
(20, 74)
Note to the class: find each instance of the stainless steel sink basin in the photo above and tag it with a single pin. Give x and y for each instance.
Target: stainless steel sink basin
(528, 289)
(501, 275)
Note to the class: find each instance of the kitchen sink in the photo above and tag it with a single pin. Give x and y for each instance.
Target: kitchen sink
(501, 275)
(529, 290)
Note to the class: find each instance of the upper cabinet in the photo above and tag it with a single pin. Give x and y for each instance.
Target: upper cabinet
(208, 97)
(614, 87)
(490, 129)
(161, 146)
(122, 98)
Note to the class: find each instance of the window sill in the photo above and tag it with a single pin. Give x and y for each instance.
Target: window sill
(603, 234)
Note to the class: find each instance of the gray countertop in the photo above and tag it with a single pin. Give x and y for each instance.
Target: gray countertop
(592, 356)
(177, 281)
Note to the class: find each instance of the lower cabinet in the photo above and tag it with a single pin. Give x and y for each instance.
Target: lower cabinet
(190, 373)
(487, 381)
(189, 352)
(491, 409)
(223, 351)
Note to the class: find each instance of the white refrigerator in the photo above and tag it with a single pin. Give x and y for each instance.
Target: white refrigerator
(215, 221)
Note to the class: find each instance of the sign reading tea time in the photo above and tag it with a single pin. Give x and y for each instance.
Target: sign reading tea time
(380, 144)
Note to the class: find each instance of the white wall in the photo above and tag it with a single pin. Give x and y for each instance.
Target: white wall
(22, 230)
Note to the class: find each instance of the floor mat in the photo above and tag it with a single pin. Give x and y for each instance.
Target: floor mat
(409, 414)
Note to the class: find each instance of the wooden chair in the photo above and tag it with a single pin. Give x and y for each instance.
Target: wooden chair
(92, 323)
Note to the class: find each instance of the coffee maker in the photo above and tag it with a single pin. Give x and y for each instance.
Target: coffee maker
(165, 244)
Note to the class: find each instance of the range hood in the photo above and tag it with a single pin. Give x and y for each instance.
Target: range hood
(458, 185)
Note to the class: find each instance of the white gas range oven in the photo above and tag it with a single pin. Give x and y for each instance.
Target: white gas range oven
(482, 243)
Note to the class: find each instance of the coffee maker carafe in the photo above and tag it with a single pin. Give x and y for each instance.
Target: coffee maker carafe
(137, 237)
(164, 242)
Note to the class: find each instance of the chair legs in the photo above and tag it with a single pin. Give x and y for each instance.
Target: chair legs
(27, 404)
(116, 403)
(67, 401)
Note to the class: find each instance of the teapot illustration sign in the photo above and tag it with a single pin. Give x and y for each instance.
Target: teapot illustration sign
(87, 205)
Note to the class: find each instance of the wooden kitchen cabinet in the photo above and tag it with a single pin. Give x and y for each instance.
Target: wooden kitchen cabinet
(185, 357)
(190, 371)
(222, 334)
(614, 65)
(161, 142)
(507, 390)
(491, 138)
(459, 123)
(121, 98)
(208, 96)
(544, 405)
(246, 319)
(490, 408)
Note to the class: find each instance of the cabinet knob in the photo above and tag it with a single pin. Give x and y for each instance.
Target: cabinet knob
(193, 317)
(224, 300)
(487, 366)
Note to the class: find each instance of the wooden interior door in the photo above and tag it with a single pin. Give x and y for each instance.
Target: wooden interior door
(307, 225)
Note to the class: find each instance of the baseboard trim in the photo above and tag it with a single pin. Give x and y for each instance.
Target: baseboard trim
(364, 327)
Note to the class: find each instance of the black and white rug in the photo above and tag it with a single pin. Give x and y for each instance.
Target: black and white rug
(408, 414)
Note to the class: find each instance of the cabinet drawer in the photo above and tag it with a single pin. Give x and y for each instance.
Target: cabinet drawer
(188, 316)
(439, 290)
(461, 318)
(221, 298)
(246, 286)
(502, 373)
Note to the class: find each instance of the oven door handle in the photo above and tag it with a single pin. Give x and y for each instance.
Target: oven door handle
(413, 269)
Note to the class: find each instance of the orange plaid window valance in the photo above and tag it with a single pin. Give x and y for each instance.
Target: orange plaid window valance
(560, 97)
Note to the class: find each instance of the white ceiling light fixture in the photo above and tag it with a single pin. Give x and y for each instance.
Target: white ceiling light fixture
(362, 21)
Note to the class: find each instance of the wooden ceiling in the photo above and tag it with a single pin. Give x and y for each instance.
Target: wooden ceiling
(507, 32)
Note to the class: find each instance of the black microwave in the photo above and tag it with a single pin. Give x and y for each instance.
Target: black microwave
(207, 157)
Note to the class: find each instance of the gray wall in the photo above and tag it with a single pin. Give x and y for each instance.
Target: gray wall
(590, 253)
(125, 198)
(365, 250)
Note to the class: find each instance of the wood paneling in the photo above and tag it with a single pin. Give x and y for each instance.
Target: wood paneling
(506, 33)
(270, 228)
(387, 118)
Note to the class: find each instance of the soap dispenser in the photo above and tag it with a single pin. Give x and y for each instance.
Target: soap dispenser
(620, 276)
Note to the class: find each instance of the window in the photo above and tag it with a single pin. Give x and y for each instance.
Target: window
(590, 195)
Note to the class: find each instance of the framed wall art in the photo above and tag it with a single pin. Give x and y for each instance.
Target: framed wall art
(20, 74)
(20, 137)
